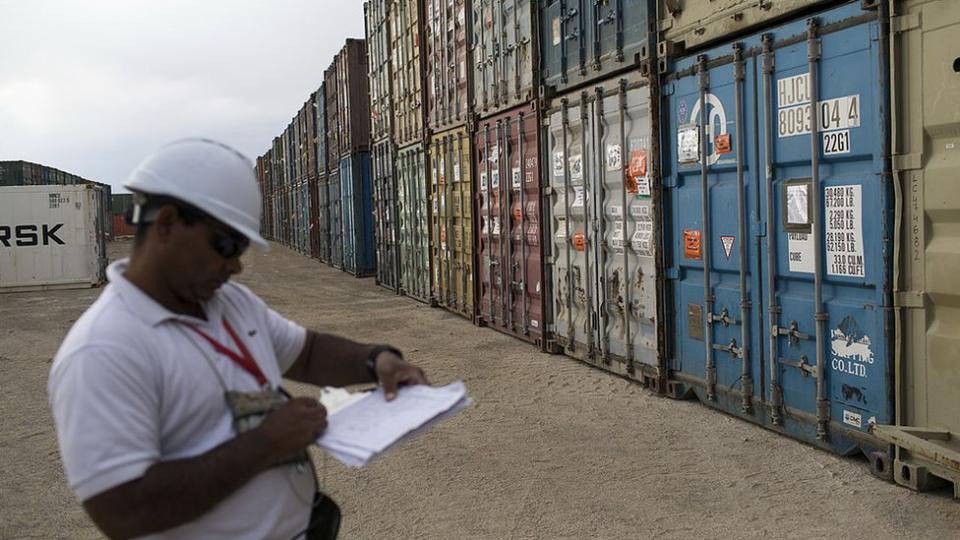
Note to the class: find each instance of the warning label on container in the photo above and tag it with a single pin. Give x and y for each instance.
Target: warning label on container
(642, 241)
(691, 244)
(578, 197)
(616, 239)
(614, 157)
(688, 144)
(558, 164)
(843, 239)
(643, 186)
(495, 179)
(727, 242)
(483, 181)
(516, 178)
(576, 166)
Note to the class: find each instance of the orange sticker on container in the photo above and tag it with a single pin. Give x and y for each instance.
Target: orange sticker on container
(691, 244)
(443, 235)
(638, 162)
(517, 214)
(579, 241)
(630, 184)
(721, 143)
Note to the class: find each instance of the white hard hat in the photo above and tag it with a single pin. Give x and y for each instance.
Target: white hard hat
(208, 175)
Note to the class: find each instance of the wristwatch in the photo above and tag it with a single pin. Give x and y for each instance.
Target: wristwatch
(372, 359)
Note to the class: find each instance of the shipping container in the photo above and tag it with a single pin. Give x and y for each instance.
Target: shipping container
(353, 97)
(926, 137)
(313, 187)
(686, 26)
(303, 216)
(356, 207)
(323, 219)
(310, 136)
(448, 63)
(332, 109)
(585, 40)
(335, 214)
(120, 202)
(505, 60)
(413, 225)
(509, 247)
(451, 221)
(53, 237)
(604, 205)
(378, 34)
(779, 223)
(408, 93)
(385, 215)
(320, 126)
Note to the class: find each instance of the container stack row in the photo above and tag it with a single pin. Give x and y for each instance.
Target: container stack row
(746, 203)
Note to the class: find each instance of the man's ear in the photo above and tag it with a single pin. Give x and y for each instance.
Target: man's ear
(166, 218)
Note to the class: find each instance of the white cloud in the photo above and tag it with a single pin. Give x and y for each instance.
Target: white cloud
(92, 87)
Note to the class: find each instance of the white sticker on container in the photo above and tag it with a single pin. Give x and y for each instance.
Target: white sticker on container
(643, 186)
(558, 164)
(483, 181)
(456, 172)
(793, 90)
(555, 25)
(798, 208)
(535, 323)
(516, 178)
(494, 154)
(496, 226)
(614, 157)
(852, 419)
(616, 239)
(640, 212)
(836, 142)
(576, 166)
(561, 234)
(642, 243)
(688, 143)
(578, 197)
(844, 241)
(800, 252)
(616, 210)
(495, 179)
(836, 113)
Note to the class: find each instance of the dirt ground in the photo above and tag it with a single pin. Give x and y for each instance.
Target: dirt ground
(552, 448)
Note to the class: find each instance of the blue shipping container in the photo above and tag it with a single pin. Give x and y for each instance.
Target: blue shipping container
(357, 210)
(779, 280)
(586, 40)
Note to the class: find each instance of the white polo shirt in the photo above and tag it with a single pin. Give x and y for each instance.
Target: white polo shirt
(131, 386)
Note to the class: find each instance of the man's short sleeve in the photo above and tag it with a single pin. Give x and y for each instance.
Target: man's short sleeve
(288, 339)
(106, 408)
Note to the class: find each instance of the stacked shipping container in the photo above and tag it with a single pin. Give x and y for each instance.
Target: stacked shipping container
(715, 217)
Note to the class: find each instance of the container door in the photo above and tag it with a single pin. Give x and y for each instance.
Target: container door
(336, 221)
(413, 224)
(452, 223)
(363, 217)
(781, 256)
(348, 231)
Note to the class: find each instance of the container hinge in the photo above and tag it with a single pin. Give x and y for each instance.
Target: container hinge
(805, 367)
(730, 348)
(910, 299)
(672, 273)
(907, 162)
(905, 22)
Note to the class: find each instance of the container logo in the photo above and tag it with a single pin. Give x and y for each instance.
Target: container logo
(716, 125)
(30, 235)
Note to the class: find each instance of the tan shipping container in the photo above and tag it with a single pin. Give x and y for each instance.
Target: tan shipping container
(379, 63)
(451, 244)
(408, 93)
(925, 64)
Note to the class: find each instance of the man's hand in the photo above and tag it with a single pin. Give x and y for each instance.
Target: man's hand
(393, 371)
(293, 426)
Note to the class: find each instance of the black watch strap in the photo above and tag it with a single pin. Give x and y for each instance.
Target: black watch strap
(372, 359)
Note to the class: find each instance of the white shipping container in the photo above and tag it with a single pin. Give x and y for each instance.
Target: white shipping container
(52, 237)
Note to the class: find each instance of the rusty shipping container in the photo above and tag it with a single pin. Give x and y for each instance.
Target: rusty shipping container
(448, 63)
(505, 60)
(509, 249)
(335, 216)
(320, 128)
(451, 178)
(353, 97)
(332, 109)
(314, 189)
(378, 33)
(310, 136)
(323, 219)
(408, 91)
(385, 215)
(604, 197)
(414, 221)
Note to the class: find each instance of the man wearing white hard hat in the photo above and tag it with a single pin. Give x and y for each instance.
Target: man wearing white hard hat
(166, 393)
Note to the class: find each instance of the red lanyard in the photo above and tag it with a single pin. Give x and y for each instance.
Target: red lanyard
(244, 359)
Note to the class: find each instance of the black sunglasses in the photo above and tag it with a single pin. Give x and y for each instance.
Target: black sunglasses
(227, 244)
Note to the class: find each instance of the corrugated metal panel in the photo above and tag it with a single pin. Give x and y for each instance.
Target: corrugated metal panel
(320, 124)
(356, 207)
(323, 218)
(510, 272)
(353, 97)
(379, 39)
(792, 332)
(385, 215)
(414, 221)
(335, 211)
(447, 32)
(408, 90)
(505, 72)
(11, 173)
(451, 244)
(332, 89)
(53, 236)
(926, 63)
(586, 40)
(689, 25)
(602, 149)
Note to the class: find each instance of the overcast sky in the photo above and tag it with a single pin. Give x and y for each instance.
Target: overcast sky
(92, 86)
